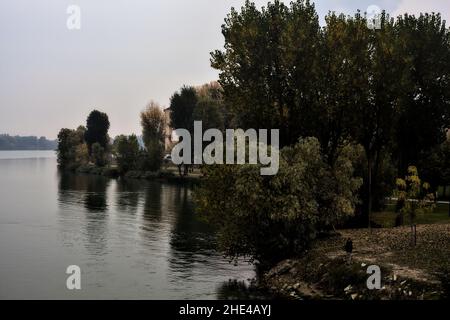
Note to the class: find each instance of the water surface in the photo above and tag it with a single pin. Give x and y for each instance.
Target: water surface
(132, 239)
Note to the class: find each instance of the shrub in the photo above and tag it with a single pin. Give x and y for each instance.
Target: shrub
(99, 155)
(126, 149)
(269, 218)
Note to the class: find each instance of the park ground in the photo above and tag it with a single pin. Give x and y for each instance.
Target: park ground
(408, 271)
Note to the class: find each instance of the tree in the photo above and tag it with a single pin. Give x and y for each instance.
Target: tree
(424, 44)
(99, 155)
(210, 108)
(414, 197)
(153, 124)
(97, 126)
(126, 149)
(69, 151)
(435, 166)
(269, 218)
(270, 68)
(8, 142)
(182, 105)
(376, 88)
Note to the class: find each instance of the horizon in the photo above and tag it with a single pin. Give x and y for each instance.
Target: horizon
(122, 57)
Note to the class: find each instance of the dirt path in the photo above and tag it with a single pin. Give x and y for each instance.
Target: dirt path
(408, 271)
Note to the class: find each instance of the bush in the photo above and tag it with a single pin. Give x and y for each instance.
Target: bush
(126, 149)
(99, 155)
(269, 218)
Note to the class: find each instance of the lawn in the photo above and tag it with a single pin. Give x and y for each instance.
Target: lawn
(386, 218)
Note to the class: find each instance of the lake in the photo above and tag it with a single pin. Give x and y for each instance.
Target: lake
(132, 239)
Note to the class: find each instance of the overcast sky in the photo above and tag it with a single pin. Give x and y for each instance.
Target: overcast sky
(126, 53)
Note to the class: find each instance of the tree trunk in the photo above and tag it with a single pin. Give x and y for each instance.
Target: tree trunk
(369, 189)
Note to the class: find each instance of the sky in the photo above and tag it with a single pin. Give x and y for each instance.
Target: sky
(126, 53)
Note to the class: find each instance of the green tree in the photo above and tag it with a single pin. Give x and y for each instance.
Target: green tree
(69, 153)
(414, 196)
(153, 124)
(270, 68)
(435, 166)
(182, 105)
(424, 44)
(99, 155)
(210, 108)
(97, 126)
(269, 218)
(126, 149)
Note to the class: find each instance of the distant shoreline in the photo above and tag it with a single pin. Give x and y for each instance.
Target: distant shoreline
(26, 143)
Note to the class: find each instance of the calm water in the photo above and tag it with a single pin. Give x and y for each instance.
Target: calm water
(131, 239)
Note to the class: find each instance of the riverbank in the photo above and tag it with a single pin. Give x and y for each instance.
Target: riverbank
(165, 174)
(408, 272)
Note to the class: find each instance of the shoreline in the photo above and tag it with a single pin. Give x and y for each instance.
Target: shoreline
(113, 173)
(326, 272)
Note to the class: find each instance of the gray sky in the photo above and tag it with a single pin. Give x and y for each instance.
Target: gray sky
(126, 53)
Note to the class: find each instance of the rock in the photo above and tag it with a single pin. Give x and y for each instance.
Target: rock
(354, 296)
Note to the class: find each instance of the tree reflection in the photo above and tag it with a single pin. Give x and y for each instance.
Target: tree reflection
(192, 240)
(89, 192)
(153, 202)
(128, 194)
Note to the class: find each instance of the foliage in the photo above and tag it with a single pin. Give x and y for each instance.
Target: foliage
(153, 159)
(70, 148)
(99, 155)
(210, 107)
(97, 126)
(270, 217)
(153, 124)
(435, 166)
(182, 105)
(424, 44)
(413, 195)
(126, 149)
(343, 82)
(82, 154)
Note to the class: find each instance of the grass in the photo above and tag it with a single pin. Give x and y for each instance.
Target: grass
(387, 217)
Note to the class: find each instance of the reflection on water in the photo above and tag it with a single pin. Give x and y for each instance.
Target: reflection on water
(132, 239)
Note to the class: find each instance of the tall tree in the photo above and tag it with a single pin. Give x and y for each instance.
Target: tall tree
(97, 126)
(153, 124)
(70, 142)
(182, 105)
(210, 108)
(126, 149)
(424, 42)
(269, 68)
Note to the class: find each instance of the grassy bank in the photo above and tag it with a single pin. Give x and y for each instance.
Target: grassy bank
(386, 218)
